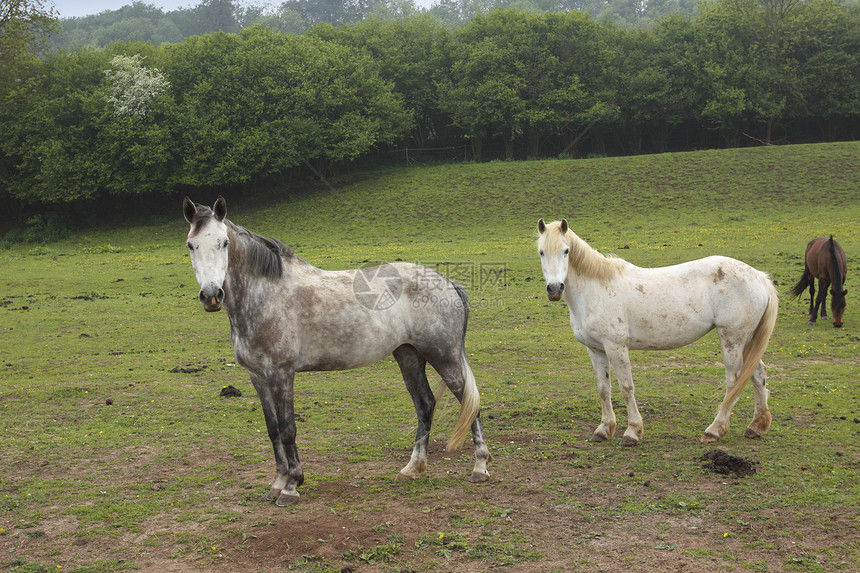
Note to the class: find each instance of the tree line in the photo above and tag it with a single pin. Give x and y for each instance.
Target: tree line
(256, 107)
(139, 21)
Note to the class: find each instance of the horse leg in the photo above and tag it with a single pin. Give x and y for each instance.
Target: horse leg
(600, 363)
(812, 309)
(733, 358)
(412, 367)
(761, 419)
(276, 398)
(823, 287)
(453, 371)
(620, 360)
(482, 453)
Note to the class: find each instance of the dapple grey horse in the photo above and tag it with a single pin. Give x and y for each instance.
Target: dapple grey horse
(287, 316)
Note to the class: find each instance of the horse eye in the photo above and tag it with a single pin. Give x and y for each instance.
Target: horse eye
(566, 252)
(540, 253)
(190, 246)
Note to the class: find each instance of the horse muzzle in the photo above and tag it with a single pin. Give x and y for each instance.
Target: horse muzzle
(211, 297)
(554, 291)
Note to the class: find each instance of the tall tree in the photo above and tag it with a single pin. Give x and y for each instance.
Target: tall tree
(24, 28)
(415, 54)
(753, 77)
(259, 103)
(524, 75)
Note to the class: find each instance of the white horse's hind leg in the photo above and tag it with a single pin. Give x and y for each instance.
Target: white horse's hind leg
(734, 360)
(761, 419)
(606, 429)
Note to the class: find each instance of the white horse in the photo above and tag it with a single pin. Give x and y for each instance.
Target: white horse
(616, 306)
(287, 316)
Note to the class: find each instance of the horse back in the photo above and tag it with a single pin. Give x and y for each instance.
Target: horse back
(822, 253)
(669, 307)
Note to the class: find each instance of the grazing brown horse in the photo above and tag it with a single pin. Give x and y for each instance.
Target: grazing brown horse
(825, 261)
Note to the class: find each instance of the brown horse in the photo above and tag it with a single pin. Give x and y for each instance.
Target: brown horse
(825, 261)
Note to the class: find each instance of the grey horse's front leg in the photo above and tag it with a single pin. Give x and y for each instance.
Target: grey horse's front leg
(276, 398)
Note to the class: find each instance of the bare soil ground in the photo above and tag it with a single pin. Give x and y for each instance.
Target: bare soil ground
(444, 523)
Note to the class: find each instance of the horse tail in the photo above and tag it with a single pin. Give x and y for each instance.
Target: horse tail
(755, 348)
(801, 285)
(470, 404)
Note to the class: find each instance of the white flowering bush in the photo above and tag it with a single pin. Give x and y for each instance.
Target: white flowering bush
(134, 86)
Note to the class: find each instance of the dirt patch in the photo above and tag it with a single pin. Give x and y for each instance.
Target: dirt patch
(537, 514)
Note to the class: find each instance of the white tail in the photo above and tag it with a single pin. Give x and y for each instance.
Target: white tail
(755, 348)
(470, 405)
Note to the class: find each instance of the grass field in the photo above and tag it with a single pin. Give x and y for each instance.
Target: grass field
(119, 454)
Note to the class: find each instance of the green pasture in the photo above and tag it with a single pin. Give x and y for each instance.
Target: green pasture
(118, 453)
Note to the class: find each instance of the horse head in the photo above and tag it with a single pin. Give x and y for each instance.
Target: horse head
(208, 248)
(554, 251)
(837, 306)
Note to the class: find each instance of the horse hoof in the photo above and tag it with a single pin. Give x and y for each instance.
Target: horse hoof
(478, 477)
(597, 438)
(811, 323)
(287, 499)
(402, 477)
(709, 438)
(273, 494)
(628, 442)
(751, 434)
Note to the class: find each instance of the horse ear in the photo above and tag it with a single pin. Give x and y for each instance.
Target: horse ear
(220, 208)
(189, 209)
(564, 226)
(541, 226)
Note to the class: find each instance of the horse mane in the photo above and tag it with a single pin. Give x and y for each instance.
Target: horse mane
(836, 276)
(262, 255)
(583, 258)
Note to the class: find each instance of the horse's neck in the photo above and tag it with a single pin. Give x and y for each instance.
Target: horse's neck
(837, 277)
(588, 263)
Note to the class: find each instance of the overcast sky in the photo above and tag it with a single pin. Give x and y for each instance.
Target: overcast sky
(79, 8)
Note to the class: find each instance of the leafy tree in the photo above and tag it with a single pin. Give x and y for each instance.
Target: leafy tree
(259, 103)
(522, 74)
(823, 38)
(414, 54)
(135, 22)
(660, 80)
(24, 28)
(314, 12)
(50, 127)
(24, 25)
(208, 16)
(753, 77)
(283, 20)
